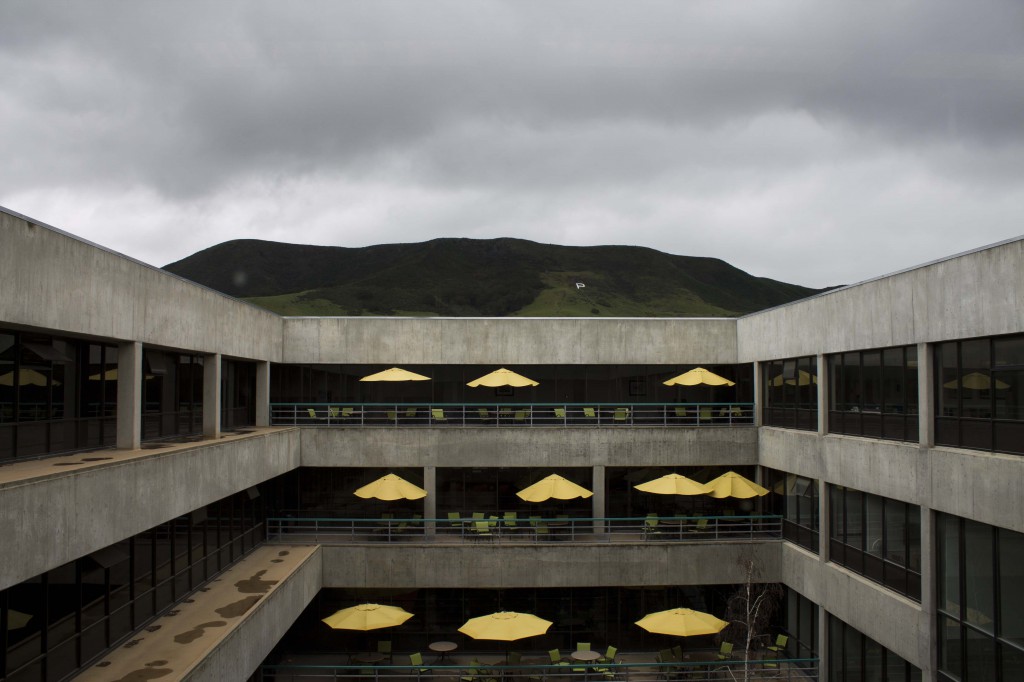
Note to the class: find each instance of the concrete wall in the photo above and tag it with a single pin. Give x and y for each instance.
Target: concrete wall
(240, 653)
(977, 294)
(46, 522)
(549, 564)
(983, 486)
(528, 447)
(899, 624)
(508, 340)
(57, 282)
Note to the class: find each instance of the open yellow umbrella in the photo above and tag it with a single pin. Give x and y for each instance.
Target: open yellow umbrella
(731, 484)
(976, 381)
(395, 374)
(699, 375)
(553, 486)
(368, 617)
(674, 484)
(506, 626)
(391, 487)
(503, 377)
(681, 622)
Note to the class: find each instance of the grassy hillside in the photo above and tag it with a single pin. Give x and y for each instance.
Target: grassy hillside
(467, 277)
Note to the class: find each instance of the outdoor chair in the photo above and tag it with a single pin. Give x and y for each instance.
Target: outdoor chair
(347, 412)
(384, 647)
(392, 416)
(556, 657)
(484, 414)
(539, 527)
(677, 652)
(521, 416)
(725, 651)
(560, 413)
(410, 413)
(651, 525)
(437, 414)
(590, 413)
(705, 415)
(681, 413)
(609, 655)
(454, 519)
(582, 646)
(312, 413)
(510, 521)
(700, 527)
(780, 644)
(621, 415)
(481, 529)
(416, 660)
(332, 412)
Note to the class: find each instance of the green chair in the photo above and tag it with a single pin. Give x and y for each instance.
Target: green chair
(416, 660)
(560, 413)
(410, 413)
(384, 647)
(609, 655)
(582, 646)
(725, 651)
(539, 527)
(332, 412)
(700, 527)
(651, 525)
(393, 416)
(312, 413)
(705, 415)
(556, 657)
(438, 415)
(780, 644)
(511, 521)
(347, 412)
(590, 413)
(521, 416)
(484, 414)
(621, 415)
(454, 519)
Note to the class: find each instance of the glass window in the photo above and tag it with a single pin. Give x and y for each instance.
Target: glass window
(1011, 583)
(979, 594)
(896, 532)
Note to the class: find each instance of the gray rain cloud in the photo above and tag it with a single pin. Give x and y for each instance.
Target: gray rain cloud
(812, 142)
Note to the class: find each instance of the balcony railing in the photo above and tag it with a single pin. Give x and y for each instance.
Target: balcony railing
(512, 414)
(756, 670)
(499, 529)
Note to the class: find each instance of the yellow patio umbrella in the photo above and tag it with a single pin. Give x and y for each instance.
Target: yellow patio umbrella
(553, 486)
(506, 626)
(803, 378)
(674, 484)
(976, 381)
(391, 487)
(699, 375)
(368, 617)
(395, 374)
(731, 484)
(681, 622)
(503, 377)
(26, 377)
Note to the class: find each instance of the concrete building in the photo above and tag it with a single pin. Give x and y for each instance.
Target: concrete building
(165, 449)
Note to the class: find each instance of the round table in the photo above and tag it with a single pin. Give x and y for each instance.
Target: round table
(373, 657)
(585, 655)
(443, 648)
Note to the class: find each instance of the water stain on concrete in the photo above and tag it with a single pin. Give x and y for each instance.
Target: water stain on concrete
(276, 561)
(132, 643)
(103, 664)
(153, 628)
(143, 674)
(156, 664)
(283, 552)
(236, 609)
(197, 632)
(254, 584)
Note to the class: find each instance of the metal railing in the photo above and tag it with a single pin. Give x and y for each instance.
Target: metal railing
(498, 529)
(512, 414)
(756, 670)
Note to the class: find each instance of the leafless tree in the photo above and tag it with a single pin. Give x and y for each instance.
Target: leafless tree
(751, 609)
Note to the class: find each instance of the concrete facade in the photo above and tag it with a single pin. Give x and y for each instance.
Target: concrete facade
(54, 515)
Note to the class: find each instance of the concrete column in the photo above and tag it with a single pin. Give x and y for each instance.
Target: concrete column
(822, 395)
(758, 397)
(129, 395)
(822, 643)
(598, 509)
(929, 606)
(430, 501)
(926, 394)
(262, 394)
(824, 519)
(211, 395)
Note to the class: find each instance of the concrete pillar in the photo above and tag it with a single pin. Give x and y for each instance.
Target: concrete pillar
(822, 643)
(758, 389)
(926, 394)
(598, 509)
(129, 395)
(430, 501)
(824, 519)
(211, 395)
(822, 395)
(929, 606)
(262, 394)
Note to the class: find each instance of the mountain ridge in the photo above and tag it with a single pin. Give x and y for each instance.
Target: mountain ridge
(458, 276)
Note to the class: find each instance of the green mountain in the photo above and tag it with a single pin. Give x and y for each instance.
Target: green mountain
(480, 277)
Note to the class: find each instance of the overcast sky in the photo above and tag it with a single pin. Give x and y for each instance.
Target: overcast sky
(812, 142)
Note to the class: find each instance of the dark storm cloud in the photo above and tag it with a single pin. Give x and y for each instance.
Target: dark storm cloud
(563, 115)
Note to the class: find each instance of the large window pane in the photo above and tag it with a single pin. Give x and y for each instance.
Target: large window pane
(979, 606)
(950, 656)
(874, 524)
(895, 532)
(1011, 586)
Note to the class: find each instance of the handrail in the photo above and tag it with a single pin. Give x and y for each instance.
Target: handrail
(790, 669)
(491, 414)
(493, 528)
